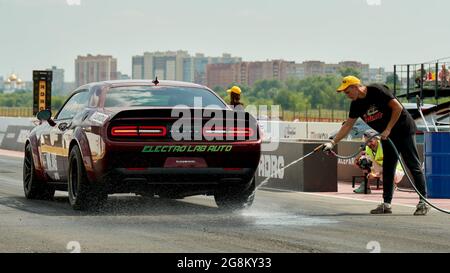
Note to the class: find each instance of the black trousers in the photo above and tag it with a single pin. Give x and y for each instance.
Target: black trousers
(406, 146)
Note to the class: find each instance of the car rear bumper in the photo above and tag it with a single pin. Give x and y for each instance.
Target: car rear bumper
(202, 180)
(186, 171)
(131, 159)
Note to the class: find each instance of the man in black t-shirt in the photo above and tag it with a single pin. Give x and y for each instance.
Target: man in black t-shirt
(376, 105)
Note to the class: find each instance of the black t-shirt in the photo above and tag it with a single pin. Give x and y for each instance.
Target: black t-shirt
(375, 111)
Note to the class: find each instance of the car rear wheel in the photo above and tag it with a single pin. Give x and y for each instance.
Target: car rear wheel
(82, 194)
(235, 197)
(33, 187)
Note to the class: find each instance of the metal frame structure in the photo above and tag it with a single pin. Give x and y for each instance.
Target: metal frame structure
(421, 79)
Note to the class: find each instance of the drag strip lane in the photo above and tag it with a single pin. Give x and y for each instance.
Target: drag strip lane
(278, 222)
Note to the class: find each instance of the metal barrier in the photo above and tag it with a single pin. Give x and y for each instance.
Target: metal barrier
(430, 80)
(16, 112)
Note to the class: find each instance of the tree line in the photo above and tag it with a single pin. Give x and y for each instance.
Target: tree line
(297, 94)
(24, 98)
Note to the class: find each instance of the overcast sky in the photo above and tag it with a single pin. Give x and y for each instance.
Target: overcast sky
(36, 34)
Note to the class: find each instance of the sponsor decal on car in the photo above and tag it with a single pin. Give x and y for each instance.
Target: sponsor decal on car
(186, 148)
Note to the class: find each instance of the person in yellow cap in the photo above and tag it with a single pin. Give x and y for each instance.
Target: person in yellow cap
(378, 107)
(235, 96)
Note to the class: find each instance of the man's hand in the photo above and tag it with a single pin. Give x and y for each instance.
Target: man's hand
(385, 134)
(328, 147)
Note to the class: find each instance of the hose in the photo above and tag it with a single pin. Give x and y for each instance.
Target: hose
(403, 190)
(403, 166)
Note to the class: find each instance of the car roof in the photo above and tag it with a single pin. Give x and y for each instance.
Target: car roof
(119, 83)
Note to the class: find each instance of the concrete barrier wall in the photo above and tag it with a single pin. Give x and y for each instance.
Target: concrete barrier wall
(346, 168)
(15, 137)
(298, 130)
(14, 132)
(6, 121)
(307, 175)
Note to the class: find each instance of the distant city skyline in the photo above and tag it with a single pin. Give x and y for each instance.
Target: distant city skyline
(41, 33)
(218, 71)
(72, 78)
(196, 60)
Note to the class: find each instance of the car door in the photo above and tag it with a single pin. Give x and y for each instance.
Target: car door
(55, 150)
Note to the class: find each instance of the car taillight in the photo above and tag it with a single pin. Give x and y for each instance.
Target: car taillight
(138, 131)
(228, 131)
(128, 131)
(153, 131)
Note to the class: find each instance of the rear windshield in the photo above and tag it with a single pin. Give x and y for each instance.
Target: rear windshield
(160, 96)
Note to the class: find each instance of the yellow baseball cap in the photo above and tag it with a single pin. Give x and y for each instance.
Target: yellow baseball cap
(235, 89)
(348, 81)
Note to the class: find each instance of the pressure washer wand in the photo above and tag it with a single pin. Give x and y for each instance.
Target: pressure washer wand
(318, 148)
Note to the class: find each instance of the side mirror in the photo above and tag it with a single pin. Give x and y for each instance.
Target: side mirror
(44, 115)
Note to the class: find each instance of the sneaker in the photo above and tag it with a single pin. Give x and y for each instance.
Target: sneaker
(360, 189)
(421, 209)
(383, 208)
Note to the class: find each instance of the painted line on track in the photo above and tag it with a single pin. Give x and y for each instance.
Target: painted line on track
(9, 153)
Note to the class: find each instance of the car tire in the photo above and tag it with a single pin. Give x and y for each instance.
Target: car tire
(33, 187)
(83, 195)
(235, 197)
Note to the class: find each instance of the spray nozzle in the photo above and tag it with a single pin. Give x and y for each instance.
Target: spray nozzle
(318, 148)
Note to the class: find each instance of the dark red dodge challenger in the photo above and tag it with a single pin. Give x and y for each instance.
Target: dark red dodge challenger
(171, 139)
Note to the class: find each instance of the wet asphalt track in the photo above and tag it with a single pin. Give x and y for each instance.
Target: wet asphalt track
(277, 222)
